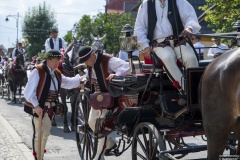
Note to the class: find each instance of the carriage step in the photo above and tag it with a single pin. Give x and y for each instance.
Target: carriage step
(185, 150)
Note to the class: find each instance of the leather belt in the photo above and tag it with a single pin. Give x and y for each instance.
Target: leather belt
(159, 40)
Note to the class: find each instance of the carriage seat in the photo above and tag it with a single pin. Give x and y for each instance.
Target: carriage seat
(149, 64)
(204, 63)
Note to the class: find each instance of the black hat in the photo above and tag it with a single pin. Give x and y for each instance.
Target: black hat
(54, 30)
(84, 53)
(52, 54)
(19, 43)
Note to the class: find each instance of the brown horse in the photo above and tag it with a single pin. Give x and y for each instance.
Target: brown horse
(220, 98)
(16, 76)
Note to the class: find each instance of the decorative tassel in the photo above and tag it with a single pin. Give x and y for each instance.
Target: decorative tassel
(34, 154)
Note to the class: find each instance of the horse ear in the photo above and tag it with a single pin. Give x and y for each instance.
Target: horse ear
(91, 35)
(104, 36)
(83, 39)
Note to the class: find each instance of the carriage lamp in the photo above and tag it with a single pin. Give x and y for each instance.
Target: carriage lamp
(128, 43)
(237, 26)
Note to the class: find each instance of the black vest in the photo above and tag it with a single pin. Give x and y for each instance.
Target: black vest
(17, 51)
(173, 17)
(52, 45)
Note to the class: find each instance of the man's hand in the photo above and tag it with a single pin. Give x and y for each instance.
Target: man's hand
(186, 32)
(38, 110)
(147, 51)
(110, 77)
(83, 83)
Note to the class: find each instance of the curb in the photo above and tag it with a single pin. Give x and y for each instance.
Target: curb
(17, 139)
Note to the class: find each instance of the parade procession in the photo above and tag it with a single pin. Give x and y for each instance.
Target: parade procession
(119, 79)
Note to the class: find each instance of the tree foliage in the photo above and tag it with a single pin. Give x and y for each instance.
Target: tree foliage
(110, 24)
(223, 16)
(36, 26)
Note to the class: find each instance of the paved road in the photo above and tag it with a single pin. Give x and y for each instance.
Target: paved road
(60, 146)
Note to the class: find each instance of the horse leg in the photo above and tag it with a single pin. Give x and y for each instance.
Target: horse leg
(20, 92)
(65, 111)
(217, 131)
(73, 104)
(237, 132)
(11, 90)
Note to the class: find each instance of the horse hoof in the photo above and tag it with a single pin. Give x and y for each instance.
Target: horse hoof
(66, 129)
(54, 123)
(72, 128)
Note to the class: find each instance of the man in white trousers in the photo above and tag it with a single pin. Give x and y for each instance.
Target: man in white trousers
(108, 67)
(159, 24)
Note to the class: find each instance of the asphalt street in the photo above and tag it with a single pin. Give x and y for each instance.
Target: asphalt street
(16, 138)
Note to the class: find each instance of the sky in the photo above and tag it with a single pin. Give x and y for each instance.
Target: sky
(67, 12)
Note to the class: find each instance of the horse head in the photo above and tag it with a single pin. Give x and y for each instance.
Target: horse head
(20, 60)
(72, 59)
(97, 43)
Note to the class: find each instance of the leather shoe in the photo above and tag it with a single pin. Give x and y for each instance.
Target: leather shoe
(107, 151)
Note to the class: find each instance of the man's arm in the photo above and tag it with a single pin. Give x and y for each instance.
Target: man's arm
(120, 67)
(188, 16)
(70, 82)
(30, 91)
(13, 54)
(141, 26)
(47, 45)
(63, 44)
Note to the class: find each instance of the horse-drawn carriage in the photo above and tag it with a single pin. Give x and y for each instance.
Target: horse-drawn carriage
(148, 117)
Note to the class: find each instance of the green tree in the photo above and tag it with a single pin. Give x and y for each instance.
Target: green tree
(68, 37)
(36, 26)
(223, 16)
(110, 24)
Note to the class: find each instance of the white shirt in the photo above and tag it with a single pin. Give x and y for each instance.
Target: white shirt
(30, 92)
(220, 49)
(199, 47)
(55, 44)
(163, 27)
(124, 55)
(120, 67)
(21, 51)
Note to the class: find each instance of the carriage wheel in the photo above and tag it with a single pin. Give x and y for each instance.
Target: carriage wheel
(86, 139)
(147, 143)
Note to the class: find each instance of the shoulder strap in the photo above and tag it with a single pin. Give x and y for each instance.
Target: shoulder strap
(152, 20)
(51, 43)
(174, 18)
(60, 43)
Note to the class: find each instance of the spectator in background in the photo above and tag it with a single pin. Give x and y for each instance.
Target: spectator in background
(218, 48)
(54, 42)
(18, 50)
(199, 47)
(124, 55)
